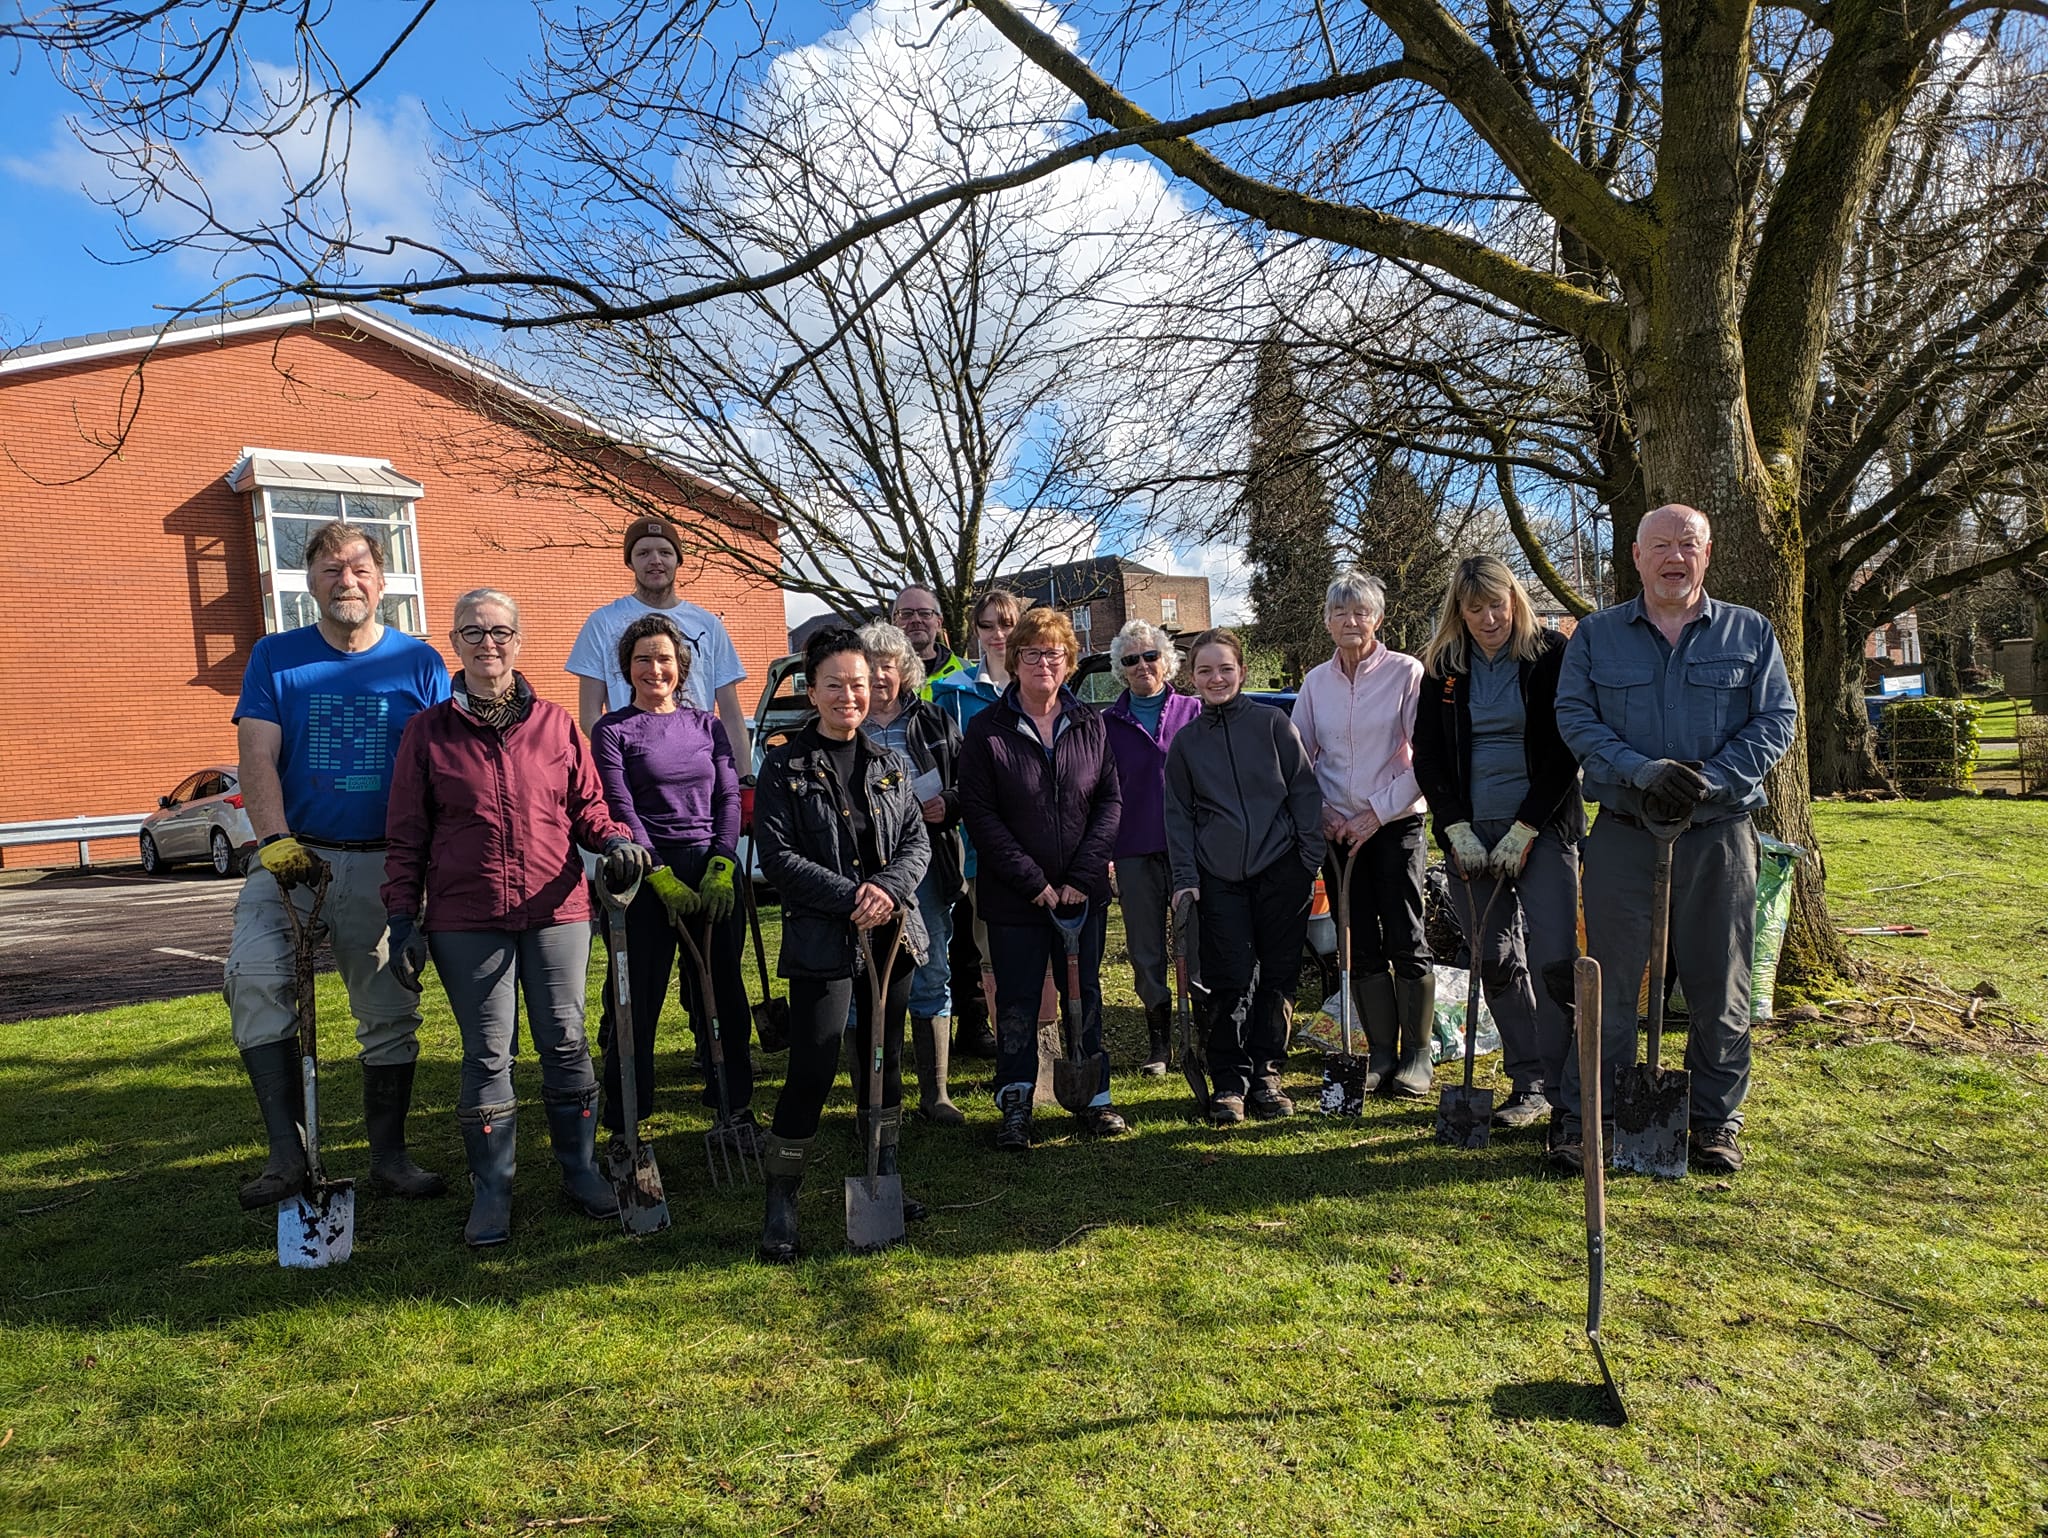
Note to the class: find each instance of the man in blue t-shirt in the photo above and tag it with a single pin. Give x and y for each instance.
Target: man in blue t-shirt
(318, 724)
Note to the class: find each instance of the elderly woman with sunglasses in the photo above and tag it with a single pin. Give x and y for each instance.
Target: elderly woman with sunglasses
(491, 793)
(1142, 722)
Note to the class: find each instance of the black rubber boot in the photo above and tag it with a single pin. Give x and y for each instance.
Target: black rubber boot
(1159, 1040)
(572, 1128)
(891, 1122)
(387, 1097)
(974, 1036)
(1415, 1003)
(783, 1160)
(490, 1135)
(1381, 1018)
(1014, 1101)
(934, 1054)
(274, 1074)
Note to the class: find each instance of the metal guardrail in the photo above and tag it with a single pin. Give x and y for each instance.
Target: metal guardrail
(72, 830)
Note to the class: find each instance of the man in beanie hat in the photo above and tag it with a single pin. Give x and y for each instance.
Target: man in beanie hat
(654, 550)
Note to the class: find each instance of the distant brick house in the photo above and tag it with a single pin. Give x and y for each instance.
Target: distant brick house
(1105, 593)
(156, 490)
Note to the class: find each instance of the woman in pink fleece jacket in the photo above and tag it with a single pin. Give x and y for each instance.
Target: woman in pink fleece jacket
(1356, 717)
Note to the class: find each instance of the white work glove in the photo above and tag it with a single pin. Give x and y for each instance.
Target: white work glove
(1512, 852)
(1467, 853)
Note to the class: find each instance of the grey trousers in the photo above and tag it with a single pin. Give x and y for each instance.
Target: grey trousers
(1713, 933)
(485, 972)
(258, 980)
(1534, 919)
(1144, 885)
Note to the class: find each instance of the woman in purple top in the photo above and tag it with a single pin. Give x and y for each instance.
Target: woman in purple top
(1141, 725)
(669, 775)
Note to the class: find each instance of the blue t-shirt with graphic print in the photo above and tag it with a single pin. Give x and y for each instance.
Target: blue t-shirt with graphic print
(341, 714)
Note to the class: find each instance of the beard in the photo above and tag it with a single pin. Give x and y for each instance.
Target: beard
(351, 609)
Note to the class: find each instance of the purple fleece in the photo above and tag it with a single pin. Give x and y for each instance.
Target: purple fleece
(670, 778)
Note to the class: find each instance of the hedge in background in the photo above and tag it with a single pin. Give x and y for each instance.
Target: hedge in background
(1930, 744)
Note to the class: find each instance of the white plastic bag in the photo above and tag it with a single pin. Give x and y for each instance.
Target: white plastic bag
(1451, 983)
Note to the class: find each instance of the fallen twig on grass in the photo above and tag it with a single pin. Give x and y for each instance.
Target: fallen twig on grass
(1604, 1517)
(532, 1523)
(970, 1206)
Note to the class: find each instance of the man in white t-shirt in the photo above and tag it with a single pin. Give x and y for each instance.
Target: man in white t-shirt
(654, 550)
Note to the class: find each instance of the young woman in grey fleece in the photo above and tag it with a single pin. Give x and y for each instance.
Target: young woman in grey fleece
(1244, 834)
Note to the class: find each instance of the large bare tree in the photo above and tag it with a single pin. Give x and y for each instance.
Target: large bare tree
(1594, 172)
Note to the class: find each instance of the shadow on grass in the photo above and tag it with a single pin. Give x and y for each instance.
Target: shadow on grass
(1554, 1399)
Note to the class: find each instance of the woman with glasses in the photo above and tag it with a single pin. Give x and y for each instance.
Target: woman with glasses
(492, 792)
(1356, 716)
(670, 776)
(963, 695)
(1142, 722)
(1244, 830)
(928, 741)
(843, 839)
(1039, 788)
(1504, 790)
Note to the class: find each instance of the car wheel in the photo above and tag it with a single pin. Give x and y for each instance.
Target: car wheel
(225, 861)
(153, 864)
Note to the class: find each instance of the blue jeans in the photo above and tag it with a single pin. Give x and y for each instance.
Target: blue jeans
(931, 991)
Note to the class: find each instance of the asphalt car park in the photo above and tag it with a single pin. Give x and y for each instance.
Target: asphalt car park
(76, 940)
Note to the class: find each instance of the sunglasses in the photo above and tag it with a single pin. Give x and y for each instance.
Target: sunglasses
(1132, 659)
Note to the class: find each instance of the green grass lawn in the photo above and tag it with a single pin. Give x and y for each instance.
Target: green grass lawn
(1299, 1328)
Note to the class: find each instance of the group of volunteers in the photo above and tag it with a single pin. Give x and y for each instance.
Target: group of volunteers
(962, 828)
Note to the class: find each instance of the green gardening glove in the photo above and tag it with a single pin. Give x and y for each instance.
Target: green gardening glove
(681, 902)
(716, 888)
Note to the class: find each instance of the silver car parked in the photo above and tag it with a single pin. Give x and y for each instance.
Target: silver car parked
(201, 820)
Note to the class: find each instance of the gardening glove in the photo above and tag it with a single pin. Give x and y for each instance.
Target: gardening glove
(675, 894)
(290, 861)
(1467, 852)
(405, 950)
(623, 863)
(1512, 852)
(1671, 790)
(716, 889)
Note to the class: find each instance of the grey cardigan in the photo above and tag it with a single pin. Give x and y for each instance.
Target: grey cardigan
(1240, 794)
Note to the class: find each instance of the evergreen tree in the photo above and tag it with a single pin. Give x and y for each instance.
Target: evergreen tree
(1398, 541)
(1288, 517)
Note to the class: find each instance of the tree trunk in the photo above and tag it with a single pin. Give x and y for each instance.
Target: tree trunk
(1843, 747)
(2039, 656)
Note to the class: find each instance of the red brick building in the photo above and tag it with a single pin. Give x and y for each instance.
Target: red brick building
(154, 488)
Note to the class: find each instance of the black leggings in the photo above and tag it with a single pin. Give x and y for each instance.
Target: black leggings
(817, 1024)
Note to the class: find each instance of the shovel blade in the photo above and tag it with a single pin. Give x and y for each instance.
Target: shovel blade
(771, 1024)
(636, 1180)
(1651, 1110)
(320, 1230)
(1076, 1083)
(1464, 1117)
(1343, 1091)
(1197, 1076)
(874, 1212)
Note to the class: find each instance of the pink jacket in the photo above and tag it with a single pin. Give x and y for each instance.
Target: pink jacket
(1359, 733)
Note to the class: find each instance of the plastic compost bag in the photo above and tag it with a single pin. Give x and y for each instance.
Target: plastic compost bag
(1323, 1034)
(1775, 863)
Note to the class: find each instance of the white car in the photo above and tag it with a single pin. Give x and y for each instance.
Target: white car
(201, 820)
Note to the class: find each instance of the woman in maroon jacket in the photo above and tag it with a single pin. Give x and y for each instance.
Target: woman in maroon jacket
(1038, 786)
(492, 791)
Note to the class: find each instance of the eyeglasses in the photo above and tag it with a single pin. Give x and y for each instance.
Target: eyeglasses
(1034, 657)
(917, 613)
(476, 635)
(1132, 659)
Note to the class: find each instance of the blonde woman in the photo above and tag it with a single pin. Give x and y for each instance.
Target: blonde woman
(1504, 790)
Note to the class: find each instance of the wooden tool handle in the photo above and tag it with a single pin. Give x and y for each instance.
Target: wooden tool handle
(1586, 990)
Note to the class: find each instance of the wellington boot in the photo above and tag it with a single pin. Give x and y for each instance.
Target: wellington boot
(572, 1128)
(1415, 1001)
(891, 1122)
(933, 1050)
(490, 1135)
(274, 1074)
(783, 1160)
(387, 1097)
(1158, 1040)
(1382, 1021)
